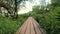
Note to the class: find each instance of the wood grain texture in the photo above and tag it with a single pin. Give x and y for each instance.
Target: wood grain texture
(31, 26)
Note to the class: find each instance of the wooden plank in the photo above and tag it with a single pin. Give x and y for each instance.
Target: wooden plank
(36, 29)
(28, 30)
(31, 26)
(22, 29)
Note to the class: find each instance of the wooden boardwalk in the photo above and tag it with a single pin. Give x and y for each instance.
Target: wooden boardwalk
(31, 26)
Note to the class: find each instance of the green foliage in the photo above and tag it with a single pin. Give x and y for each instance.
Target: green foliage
(38, 9)
(11, 6)
(55, 3)
(10, 26)
(47, 21)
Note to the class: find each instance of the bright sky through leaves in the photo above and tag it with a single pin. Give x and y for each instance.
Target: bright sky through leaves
(27, 5)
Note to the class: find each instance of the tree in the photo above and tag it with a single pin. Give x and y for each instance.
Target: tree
(39, 10)
(7, 5)
(17, 2)
(55, 3)
(11, 6)
(36, 9)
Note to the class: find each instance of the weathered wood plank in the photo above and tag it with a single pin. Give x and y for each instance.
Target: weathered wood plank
(28, 30)
(31, 26)
(32, 29)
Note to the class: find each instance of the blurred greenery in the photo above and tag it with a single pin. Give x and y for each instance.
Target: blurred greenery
(48, 19)
(9, 26)
(55, 3)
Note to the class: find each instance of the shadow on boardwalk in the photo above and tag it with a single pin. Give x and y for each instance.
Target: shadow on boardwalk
(31, 26)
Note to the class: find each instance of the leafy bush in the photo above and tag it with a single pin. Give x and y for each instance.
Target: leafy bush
(47, 21)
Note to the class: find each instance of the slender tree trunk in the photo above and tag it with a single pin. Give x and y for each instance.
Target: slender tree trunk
(15, 13)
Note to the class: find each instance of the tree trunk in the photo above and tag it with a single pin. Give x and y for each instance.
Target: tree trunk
(15, 13)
